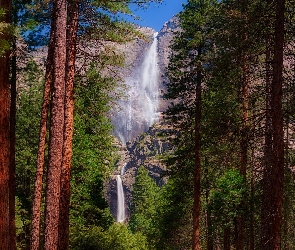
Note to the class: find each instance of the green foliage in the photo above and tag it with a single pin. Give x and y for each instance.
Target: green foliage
(4, 46)
(93, 151)
(225, 200)
(145, 206)
(117, 237)
(6, 31)
(27, 134)
(175, 214)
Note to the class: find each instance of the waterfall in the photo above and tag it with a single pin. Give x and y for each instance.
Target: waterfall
(123, 169)
(121, 200)
(139, 111)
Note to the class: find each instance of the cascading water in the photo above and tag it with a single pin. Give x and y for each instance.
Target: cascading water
(123, 169)
(121, 200)
(139, 111)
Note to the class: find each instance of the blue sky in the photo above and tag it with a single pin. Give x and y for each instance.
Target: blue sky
(157, 13)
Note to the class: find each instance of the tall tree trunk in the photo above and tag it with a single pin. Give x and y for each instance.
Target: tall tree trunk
(226, 238)
(244, 118)
(197, 173)
(277, 128)
(12, 185)
(251, 219)
(271, 235)
(4, 134)
(244, 146)
(36, 213)
(73, 10)
(56, 127)
(267, 147)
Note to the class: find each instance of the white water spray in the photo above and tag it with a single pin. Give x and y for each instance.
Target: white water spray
(121, 200)
(139, 111)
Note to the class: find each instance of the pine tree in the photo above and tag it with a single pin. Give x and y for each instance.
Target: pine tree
(56, 137)
(144, 207)
(72, 28)
(5, 187)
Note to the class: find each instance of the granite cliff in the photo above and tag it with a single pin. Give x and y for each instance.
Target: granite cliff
(147, 144)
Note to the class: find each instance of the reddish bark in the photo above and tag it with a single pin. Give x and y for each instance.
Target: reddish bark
(12, 184)
(73, 10)
(4, 151)
(36, 213)
(4, 135)
(56, 127)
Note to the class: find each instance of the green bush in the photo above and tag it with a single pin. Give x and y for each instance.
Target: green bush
(117, 237)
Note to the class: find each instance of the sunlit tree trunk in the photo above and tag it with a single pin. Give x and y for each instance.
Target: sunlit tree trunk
(36, 213)
(56, 127)
(73, 10)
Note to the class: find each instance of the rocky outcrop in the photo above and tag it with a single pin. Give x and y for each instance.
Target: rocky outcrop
(146, 150)
(165, 38)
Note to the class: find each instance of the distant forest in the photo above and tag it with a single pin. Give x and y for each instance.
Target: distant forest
(230, 171)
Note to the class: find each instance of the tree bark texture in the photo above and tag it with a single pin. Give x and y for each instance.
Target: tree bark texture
(4, 135)
(36, 213)
(197, 173)
(271, 233)
(266, 198)
(12, 184)
(73, 10)
(56, 127)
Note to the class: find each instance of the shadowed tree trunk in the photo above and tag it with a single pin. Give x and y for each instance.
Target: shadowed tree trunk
(4, 134)
(226, 238)
(240, 226)
(56, 127)
(73, 10)
(36, 213)
(197, 173)
(267, 147)
(274, 181)
(243, 145)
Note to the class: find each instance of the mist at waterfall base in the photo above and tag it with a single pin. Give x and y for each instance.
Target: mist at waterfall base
(139, 111)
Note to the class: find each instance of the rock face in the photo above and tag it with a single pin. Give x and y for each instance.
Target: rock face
(146, 144)
(145, 150)
(165, 37)
(145, 80)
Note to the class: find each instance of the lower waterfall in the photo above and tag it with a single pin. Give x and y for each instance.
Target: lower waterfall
(120, 200)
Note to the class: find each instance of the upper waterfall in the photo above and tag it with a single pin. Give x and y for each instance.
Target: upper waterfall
(139, 111)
